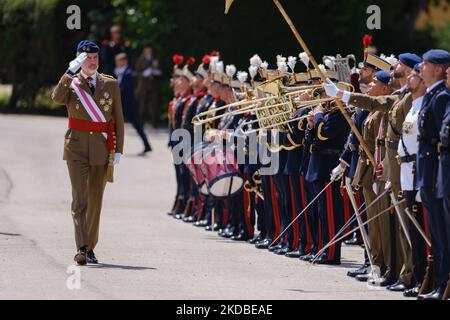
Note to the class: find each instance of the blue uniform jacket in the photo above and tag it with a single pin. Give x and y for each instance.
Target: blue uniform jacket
(443, 177)
(330, 133)
(430, 122)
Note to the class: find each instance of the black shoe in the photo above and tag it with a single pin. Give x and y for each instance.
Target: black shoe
(436, 294)
(240, 237)
(323, 260)
(412, 293)
(228, 233)
(355, 241)
(189, 219)
(354, 273)
(275, 246)
(283, 251)
(294, 254)
(264, 244)
(363, 277)
(215, 228)
(179, 216)
(201, 223)
(382, 282)
(80, 257)
(260, 237)
(91, 258)
(307, 257)
(398, 287)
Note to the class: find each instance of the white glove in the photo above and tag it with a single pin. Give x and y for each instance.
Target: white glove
(116, 158)
(75, 64)
(337, 173)
(418, 197)
(147, 72)
(388, 185)
(331, 89)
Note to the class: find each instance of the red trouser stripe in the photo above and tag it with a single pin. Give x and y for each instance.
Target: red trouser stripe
(276, 214)
(330, 214)
(294, 214)
(305, 215)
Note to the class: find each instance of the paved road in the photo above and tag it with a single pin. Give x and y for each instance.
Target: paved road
(145, 254)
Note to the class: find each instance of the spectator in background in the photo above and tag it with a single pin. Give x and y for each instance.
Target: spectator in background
(147, 71)
(129, 103)
(111, 48)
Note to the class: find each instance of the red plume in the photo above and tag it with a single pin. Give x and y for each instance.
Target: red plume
(215, 54)
(190, 61)
(367, 40)
(206, 59)
(177, 59)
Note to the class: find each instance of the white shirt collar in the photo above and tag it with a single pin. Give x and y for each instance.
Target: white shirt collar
(417, 103)
(94, 77)
(434, 85)
(404, 88)
(119, 71)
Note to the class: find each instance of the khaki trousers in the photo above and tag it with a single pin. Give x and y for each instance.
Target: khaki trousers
(405, 264)
(88, 184)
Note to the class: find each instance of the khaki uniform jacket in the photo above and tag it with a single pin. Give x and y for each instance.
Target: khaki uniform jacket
(364, 171)
(396, 106)
(91, 146)
(145, 84)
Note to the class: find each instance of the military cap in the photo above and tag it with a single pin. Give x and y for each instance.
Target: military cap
(437, 56)
(383, 76)
(417, 67)
(409, 59)
(87, 46)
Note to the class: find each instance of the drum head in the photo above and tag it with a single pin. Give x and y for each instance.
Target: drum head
(226, 185)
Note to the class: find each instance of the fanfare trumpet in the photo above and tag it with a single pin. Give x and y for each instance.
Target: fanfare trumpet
(277, 109)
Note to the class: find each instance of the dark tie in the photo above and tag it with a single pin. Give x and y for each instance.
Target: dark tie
(90, 84)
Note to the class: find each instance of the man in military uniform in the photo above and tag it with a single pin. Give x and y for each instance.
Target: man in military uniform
(432, 172)
(147, 72)
(396, 106)
(95, 134)
(407, 151)
(111, 48)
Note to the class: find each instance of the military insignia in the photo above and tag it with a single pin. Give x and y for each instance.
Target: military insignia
(102, 101)
(106, 108)
(77, 107)
(109, 101)
(106, 95)
(85, 48)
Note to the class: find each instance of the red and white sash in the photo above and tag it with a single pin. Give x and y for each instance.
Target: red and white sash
(88, 103)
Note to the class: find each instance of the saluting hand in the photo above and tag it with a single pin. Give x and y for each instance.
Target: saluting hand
(75, 64)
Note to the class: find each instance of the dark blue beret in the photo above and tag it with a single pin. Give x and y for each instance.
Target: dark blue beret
(409, 59)
(87, 46)
(417, 67)
(437, 56)
(383, 76)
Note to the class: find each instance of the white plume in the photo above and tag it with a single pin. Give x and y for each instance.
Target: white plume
(265, 65)
(282, 66)
(305, 59)
(242, 76)
(292, 61)
(219, 66)
(392, 59)
(213, 63)
(280, 58)
(230, 70)
(253, 70)
(329, 63)
(255, 61)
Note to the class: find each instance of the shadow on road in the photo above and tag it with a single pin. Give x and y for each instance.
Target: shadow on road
(117, 266)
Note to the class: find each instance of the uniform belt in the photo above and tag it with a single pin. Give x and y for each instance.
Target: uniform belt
(408, 159)
(330, 152)
(98, 127)
(392, 144)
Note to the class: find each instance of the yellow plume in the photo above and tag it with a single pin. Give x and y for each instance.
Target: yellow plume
(228, 4)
